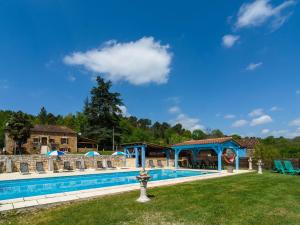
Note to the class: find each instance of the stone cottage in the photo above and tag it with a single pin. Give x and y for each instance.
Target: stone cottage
(44, 138)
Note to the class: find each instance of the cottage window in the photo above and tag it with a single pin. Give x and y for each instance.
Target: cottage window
(64, 141)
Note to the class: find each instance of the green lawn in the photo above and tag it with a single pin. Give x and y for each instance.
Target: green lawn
(244, 199)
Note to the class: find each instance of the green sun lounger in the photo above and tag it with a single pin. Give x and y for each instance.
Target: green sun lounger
(279, 167)
(290, 168)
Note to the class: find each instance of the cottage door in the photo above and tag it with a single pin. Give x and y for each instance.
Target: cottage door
(44, 147)
(44, 141)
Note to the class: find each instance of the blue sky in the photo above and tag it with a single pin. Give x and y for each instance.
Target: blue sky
(214, 64)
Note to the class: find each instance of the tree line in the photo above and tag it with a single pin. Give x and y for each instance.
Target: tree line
(101, 118)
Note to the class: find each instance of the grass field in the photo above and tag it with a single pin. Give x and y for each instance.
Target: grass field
(243, 199)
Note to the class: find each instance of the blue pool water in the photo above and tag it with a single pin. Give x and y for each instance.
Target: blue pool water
(40, 186)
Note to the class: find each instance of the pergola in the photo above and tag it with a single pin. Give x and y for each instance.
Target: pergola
(139, 149)
(216, 144)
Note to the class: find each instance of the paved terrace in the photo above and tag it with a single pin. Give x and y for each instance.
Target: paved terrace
(42, 200)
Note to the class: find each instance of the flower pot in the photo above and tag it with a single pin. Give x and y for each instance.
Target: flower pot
(230, 169)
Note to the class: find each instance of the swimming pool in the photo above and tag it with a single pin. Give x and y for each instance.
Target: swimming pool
(41, 186)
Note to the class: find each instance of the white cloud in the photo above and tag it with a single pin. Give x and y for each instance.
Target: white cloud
(71, 78)
(137, 62)
(279, 133)
(229, 116)
(240, 123)
(174, 99)
(256, 112)
(260, 11)
(4, 84)
(275, 109)
(253, 66)
(295, 122)
(229, 40)
(284, 133)
(174, 109)
(293, 134)
(261, 120)
(298, 92)
(265, 131)
(124, 110)
(188, 122)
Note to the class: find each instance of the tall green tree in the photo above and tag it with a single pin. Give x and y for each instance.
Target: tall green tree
(267, 153)
(103, 113)
(42, 116)
(4, 117)
(18, 128)
(198, 134)
(216, 134)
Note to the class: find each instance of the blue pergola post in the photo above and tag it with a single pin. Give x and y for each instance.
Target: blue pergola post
(219, 150)
(136, 151)
(176, 158)
(143, 156)
(168, 157)
(125, 156)
(126, 152)
(237, 160)
(194, 151)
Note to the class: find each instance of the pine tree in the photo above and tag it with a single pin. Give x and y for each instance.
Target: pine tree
(18, 128)
(103, 114)
(42, 116)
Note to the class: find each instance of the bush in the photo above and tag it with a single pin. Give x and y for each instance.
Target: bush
(267, 153)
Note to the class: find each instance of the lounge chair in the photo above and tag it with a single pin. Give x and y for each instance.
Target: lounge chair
(109, 165)
(55, 168)
(1, 167)
(79, 165)
(279, 167)
(67, 167)
(39, 167)
(100, 166)
(151, 163)
(180, 164)
(290, 168)
(24, 168)
(159, 163)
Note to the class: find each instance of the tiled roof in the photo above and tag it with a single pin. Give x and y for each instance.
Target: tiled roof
(205, 141)
(149, 145)
(52, 129)
(248, 142)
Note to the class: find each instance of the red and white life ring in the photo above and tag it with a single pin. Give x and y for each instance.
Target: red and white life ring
(229, 160)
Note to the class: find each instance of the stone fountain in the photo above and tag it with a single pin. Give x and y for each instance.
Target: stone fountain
(143, 178)
(259, 164)
(250, 163)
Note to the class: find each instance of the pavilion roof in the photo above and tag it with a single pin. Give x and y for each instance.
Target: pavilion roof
(205, 141)
(248, 143)
(149, 145)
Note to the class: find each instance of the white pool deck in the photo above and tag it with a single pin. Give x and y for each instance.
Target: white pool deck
(39, 200)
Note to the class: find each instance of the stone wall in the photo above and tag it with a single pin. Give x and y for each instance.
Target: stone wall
(89, 162)
(130, 162)
(53, 142)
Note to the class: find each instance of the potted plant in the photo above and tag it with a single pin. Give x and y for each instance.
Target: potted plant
(229, 158)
